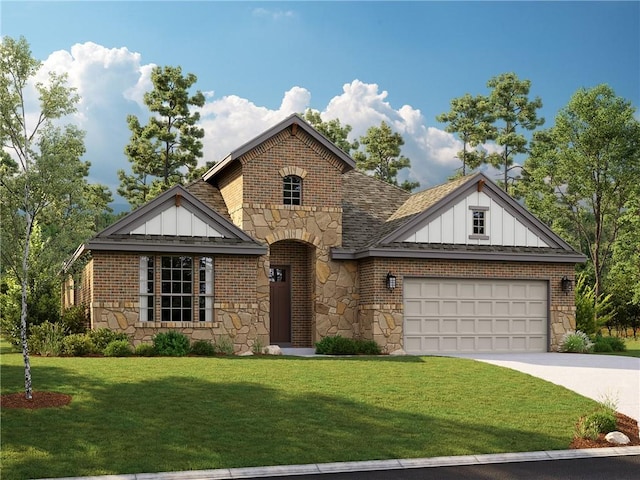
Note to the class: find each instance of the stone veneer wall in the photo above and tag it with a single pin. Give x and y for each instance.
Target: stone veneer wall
(380, 312)
(333, 295)
(115, 303)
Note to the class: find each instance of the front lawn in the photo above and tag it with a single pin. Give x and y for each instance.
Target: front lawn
(133, 415)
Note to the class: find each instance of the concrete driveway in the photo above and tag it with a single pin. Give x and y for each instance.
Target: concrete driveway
(594, 376)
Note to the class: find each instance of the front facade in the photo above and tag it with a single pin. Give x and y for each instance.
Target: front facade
(284, 242)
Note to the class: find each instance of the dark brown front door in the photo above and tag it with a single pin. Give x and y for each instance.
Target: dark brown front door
(280, 290)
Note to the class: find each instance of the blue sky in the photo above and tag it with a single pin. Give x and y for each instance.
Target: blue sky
(362, 62)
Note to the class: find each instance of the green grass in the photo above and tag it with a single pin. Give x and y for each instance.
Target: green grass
(133, 415)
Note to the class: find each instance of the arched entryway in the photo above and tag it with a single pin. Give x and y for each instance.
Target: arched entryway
(291, 286)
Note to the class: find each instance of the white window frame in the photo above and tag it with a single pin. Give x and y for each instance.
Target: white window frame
(479, 223)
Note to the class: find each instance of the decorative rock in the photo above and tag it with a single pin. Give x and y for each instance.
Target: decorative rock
(618, 438)
(399, 352)
(248, 353)
(272, 350)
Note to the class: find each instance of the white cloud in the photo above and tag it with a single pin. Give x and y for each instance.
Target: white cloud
(112, 81)
(273, 14)
(432, 151)
(232, 121)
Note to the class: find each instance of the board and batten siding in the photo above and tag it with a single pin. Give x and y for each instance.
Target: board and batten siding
(177, 221)
(454, 226)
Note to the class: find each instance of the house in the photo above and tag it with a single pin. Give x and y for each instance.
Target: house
(284, 242)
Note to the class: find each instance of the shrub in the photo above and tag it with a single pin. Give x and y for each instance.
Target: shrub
(368, 347)
(171, 344)
(145, 350)
(46, 339)
(77, 344)
(257, 346)
(608, 344)
(118, 348)
(576, 342)
(601, 421)
(203, 348)
(224, 346)
(102, 337)
(339, 345)
(75, 319)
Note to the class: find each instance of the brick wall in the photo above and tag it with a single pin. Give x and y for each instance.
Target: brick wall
(262, 181)
(381, 309)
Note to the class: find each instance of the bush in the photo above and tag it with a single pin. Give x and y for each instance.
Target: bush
(102, 337)
(118, 348)
(339, 345)
(145, 350)
(576, 342)
(171, 344)
(77, 344)
(368, 347)
(224, 346)
(602, 421)
(75, 319)
(203, 348)
(46, 339)
(608, 344)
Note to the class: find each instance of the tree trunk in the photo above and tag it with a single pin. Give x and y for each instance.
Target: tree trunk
(28, 391)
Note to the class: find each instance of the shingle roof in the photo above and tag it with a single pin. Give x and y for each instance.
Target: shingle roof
(366, 206)
(209, 195)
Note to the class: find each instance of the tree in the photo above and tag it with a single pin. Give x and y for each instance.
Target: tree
(42, 182)
(160, 151)
(582, 171)
(382, 155)
(470, 117)
(333, 130)
(511, 108)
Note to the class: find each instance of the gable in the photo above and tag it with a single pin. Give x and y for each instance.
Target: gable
(295, 125)
(175, 213)
(455, 225)
(178, 221)
(439, 223)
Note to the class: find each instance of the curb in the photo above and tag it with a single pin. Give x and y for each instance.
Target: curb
(346, 467)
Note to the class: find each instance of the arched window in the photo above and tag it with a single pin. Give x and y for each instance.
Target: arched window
(292, 190)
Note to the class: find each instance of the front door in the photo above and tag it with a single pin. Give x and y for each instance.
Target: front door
(280, 313)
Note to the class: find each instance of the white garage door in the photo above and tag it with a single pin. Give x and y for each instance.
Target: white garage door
(469, 315)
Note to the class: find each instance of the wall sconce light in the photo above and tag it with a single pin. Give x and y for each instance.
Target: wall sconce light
(565, 284)
(391, 281)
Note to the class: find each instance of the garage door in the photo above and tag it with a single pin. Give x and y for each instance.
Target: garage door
(469, 315)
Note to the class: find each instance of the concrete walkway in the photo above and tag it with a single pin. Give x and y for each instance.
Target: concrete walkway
(599, 377)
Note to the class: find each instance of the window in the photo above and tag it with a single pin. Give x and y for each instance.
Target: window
(206, 289)
(177, 289)
(292, 190)
(147, 275)
(479, 223)
(180, 289)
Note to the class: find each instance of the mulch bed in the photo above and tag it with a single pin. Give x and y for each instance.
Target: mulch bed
(625, 424)
(38, 400)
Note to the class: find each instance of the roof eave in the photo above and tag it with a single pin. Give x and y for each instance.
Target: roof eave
(544, 257)
(168, 247)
